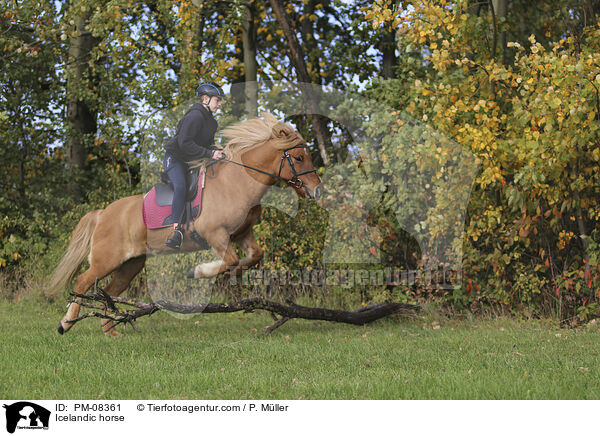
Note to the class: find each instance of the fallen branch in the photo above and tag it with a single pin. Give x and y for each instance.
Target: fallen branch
(106, 308)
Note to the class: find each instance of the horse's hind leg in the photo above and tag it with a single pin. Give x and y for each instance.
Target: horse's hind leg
(120, 280)
(119, 236)
(84, 281)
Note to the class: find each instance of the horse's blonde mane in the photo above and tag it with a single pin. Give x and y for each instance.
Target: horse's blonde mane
(249, 133)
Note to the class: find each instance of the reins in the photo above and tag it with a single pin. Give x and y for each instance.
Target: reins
(294, 181)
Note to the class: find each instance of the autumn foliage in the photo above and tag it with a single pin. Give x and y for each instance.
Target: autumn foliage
(530, 110)
(514, 84)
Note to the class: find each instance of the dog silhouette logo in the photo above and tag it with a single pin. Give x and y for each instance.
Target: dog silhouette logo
(26, 415)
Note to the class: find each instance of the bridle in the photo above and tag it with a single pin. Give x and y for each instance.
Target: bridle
(294, 181)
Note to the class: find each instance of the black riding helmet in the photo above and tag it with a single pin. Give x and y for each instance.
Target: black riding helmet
(211, 89)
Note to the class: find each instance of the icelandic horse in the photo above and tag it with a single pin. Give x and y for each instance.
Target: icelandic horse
(259, 152)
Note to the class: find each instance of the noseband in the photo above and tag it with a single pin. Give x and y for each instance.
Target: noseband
(294, 181)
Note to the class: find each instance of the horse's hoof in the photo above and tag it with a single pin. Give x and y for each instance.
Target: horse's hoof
(61, 329)
(112, 333)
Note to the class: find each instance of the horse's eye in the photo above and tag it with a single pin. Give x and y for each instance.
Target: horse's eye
(299, 158)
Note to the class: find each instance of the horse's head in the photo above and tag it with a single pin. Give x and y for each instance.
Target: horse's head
(280, 154)
(294, 163)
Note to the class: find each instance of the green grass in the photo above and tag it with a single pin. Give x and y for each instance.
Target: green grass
(225, 357)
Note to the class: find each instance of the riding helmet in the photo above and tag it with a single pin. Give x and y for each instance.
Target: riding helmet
(211, 89)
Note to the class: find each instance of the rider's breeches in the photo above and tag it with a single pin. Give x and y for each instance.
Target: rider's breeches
(176, 170)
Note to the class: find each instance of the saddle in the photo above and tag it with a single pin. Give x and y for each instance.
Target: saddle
(157, 202)
(164, 189)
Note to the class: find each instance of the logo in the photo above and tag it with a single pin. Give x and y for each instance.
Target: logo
(26, 415)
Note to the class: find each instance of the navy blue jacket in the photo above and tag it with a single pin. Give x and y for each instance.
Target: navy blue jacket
(195, 135)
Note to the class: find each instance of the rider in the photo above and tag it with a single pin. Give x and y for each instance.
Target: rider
(194, 140)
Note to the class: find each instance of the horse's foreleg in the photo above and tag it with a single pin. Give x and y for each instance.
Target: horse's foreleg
(255, 252)
(221, 244)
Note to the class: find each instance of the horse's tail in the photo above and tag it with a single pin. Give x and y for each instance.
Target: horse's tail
(78, 250)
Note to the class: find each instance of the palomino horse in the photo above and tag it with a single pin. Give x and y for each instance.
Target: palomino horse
(115, 240)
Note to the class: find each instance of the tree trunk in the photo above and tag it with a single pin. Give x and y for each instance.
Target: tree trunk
(591, 10)
(389, 54)
(388, 48)
(297, 58)
(499, 11)
(250, 65)
(191, 45)
(307, 30)
(81, 120)
(237, 93)
(309, 41)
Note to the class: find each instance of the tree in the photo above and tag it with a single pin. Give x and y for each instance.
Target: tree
(250, 64)
(531, 116)
(81, 117)
(297, 59)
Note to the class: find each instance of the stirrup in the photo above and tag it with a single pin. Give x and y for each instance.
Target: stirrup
(175, 239)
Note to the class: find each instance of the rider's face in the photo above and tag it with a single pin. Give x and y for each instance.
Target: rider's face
(214, 103)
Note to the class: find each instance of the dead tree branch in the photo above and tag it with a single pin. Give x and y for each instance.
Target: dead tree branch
(106, 307)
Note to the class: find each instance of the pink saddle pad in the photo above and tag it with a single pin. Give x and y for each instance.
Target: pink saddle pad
(155, 215)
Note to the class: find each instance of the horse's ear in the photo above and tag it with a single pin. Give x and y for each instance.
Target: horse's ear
(278, 129)
(269, 118)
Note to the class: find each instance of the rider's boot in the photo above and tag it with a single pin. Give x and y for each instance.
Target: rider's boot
(175, 239)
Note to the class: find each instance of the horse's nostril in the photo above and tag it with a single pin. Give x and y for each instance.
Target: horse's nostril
(317, 192)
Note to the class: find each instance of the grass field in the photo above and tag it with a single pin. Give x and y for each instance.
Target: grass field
(225, 357)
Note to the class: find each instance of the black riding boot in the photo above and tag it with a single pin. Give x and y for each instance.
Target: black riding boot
(175, 239)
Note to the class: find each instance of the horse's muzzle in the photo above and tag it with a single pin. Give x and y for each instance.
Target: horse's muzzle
(314, 194)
